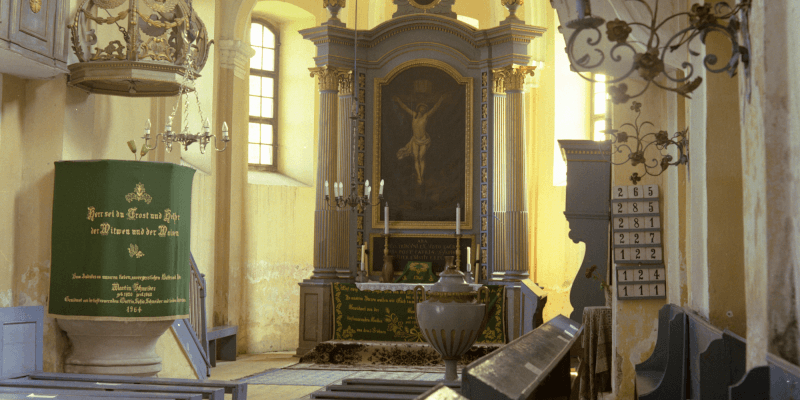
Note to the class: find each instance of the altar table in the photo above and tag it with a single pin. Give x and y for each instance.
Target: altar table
(402, 286)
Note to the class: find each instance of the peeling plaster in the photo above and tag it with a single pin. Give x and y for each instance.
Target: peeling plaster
(272, 316)
(5, 298)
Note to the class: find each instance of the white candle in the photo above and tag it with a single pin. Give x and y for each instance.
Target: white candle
(363, 251)
(386, 219)
(224, 130)
(469, 264)
(458, 219)
(327, 192)
(380, 189)
(147, 129)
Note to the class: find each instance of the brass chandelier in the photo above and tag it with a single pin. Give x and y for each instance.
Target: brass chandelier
(649, 64)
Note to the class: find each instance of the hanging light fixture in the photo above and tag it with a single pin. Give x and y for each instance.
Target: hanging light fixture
(353, 199)
(159, 52)
(634, 146)
(586, 53)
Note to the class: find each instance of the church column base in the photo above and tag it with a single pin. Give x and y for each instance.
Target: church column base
(113, 348)
(316, 325)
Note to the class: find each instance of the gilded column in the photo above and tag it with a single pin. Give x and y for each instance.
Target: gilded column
(344, 168)
(510, 198)
(326, 222)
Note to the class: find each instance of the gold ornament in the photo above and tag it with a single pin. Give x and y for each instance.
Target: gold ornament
(36, 6)
(107, 3)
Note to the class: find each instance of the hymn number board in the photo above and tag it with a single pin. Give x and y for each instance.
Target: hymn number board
(638, 255)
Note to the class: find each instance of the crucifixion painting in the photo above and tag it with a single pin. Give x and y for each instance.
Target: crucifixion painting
(422, 144)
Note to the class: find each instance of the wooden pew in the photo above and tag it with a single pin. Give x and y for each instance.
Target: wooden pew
(663, 375)
(716, 359)
(5, 392)
(225, 338)
(536, 365)
(21, 338)
(778, 380)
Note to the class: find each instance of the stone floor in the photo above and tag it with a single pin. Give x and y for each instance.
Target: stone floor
(269, 378)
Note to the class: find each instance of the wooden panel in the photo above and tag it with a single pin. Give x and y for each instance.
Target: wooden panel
(5, 5)
(21, 337)
(33, 31)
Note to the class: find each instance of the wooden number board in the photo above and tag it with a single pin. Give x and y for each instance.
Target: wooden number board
(638, 254)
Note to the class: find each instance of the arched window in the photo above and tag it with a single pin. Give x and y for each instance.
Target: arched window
(262, 145)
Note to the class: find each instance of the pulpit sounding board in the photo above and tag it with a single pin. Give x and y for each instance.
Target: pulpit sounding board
(638, 254)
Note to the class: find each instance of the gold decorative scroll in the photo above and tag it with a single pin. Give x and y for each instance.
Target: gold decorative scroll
(346, 84)
(36, 6)
(107, 3)
(107, 21)
(139, 194)
(161, 6)
(159, 24)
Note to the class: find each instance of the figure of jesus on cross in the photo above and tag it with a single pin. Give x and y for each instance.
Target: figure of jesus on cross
(420, 140)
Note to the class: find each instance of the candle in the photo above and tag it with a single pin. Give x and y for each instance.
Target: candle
(224, 131)
(363, 251)
(327, 192)
(207, 127)
(169, 124)
(380, 189)
(458, 219)
(386, 219)
(147, 129)
(469, 264)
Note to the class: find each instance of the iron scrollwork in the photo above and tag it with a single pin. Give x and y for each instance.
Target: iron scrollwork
(636, 146)
(649, 64)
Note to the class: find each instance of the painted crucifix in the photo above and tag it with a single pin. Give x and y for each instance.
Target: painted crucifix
(420, 140)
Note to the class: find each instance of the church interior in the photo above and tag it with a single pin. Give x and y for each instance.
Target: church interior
(356, 144)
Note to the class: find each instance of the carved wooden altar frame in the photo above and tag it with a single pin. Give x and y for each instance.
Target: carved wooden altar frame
(467, 208)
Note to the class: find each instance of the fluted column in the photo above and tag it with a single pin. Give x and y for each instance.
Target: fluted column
(326, 222)
(498, 171)
(510, 210)
(344, 168)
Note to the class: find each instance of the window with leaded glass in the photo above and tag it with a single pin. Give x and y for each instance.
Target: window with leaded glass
(263, 128)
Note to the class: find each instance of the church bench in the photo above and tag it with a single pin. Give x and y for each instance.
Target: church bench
(70, 394)
(21, 338)
(778, 380)
(225, 337)
(535, 365)
(663, 375)
(103, 388)
(237, 390)
(719, 366)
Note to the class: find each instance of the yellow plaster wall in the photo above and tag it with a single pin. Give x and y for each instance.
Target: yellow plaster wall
(555, 259)
(635, 322)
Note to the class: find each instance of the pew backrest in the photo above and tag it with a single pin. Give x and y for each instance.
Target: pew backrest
(21, 340)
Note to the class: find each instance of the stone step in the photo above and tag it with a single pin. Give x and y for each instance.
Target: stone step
(362, 396)
(378, 389)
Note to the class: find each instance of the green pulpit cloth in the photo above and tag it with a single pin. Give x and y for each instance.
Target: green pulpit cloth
(120, 241)
(417, 272)
(390, 316)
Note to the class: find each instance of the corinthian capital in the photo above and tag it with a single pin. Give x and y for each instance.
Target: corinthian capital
(333, 3)
(328, 77)
(512, 77)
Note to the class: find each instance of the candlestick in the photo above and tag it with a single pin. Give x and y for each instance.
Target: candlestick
(385, 218)
(363, 251)
(458, 251)
(458, 219)
(469, 263)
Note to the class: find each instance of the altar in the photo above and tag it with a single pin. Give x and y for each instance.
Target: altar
(427, 118)
(401, 286)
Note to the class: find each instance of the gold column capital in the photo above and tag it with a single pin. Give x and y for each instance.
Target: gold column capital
(346, 84)
(512, 2)
(512, 77)
(328, 77)
(334, 3)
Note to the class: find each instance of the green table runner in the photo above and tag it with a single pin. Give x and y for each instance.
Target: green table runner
(120, 241)
(390, 316)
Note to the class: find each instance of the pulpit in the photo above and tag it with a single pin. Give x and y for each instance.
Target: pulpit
(427, 117)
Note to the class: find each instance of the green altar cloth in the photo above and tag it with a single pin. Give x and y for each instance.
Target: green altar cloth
(390, 316)
(120, 241)
(417, 272)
